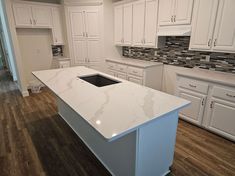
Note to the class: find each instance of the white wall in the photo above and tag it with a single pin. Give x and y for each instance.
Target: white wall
(35, 47)
(169, 78)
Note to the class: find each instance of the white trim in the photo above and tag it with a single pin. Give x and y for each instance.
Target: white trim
(36, 3)
(25, 93)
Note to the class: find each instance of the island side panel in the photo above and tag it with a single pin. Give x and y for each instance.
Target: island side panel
(155, 145)
(118, 156)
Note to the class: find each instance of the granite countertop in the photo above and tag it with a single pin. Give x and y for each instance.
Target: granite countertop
(113, 110)
(209, 75)
(135, 62)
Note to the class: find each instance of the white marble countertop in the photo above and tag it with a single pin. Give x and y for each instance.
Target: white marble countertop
(113, 110)
(135, 62)
(209, 75)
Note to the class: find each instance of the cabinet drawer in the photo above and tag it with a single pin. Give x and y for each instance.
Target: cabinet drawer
(193, 85)
(121, 68)
(135, 71)
(135, 80)
(112, 66)
(224, 93)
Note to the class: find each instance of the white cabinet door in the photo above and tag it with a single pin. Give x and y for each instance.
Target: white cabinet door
(138, 22)
(79, 51)
(57, 27)
(222, 118)
(77, 23)
(42, 16)
(224, 35)
(150, 23)
(118, 24)
(22, 15)
(183, 12)
(93, 51)
(203, 24)
(127, 24)
(135, 80)
(194, 111)
(166, 10)
(92, 23)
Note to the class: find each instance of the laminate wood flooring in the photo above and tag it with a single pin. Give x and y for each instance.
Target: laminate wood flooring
(35, 141)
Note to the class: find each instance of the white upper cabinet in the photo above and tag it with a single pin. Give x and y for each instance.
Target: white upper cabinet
(175, 12)
(77, 22)
(92, 23)
(57, 29)
(138, 22)
(183, 12)
(22, 15)
(166, 12)
(42, 16)
(127, 24)
(27, 15)
(123, 24)
(203, 24)
(224, 35)
(118, 24)
(213, 26)
(150, 30)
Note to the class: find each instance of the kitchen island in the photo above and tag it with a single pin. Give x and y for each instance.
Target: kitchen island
(130, 128)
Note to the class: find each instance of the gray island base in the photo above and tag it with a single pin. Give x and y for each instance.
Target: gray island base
(147, 150)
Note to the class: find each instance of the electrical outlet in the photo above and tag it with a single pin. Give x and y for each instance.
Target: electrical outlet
(207, 58)
(155, 53)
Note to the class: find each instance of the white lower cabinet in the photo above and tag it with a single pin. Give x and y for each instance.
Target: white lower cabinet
(194, 112)
(150, 76)
(212, 108)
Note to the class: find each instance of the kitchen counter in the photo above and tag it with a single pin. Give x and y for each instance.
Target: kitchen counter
(123, 124)
(134, 62)
(209, 75)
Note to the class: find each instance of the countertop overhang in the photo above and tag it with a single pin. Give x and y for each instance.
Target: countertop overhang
(113, 110)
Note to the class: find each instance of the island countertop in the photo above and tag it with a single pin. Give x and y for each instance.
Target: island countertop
(113, 110)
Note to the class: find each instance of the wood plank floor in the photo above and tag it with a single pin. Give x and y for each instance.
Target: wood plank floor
(35, 141)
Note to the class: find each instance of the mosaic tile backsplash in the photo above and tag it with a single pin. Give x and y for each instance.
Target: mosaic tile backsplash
(175, 52)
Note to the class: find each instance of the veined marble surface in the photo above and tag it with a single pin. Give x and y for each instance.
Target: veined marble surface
(135, 62)
(112, 110)
(209, 75)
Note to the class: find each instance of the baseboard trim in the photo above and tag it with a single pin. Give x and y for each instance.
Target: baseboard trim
(25, 93)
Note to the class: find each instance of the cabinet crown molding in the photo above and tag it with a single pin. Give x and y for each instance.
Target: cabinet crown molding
(82, 2)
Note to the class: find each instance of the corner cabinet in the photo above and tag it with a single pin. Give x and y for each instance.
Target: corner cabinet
(212, 105)
(213, 27)
(135, 23)
(146, 76)
(175, 12)
(84, 25)
(57, 29)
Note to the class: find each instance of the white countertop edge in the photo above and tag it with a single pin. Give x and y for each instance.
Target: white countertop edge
(205, 78)
(136, 62)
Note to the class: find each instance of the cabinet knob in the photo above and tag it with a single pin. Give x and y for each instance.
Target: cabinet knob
(174, 18)
(191, 85)
(229, 95)
(209, 42)
(211, 105)
(215, 42)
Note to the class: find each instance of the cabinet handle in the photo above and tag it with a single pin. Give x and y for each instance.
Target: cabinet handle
(192, 86)
(83, 34)
(209, 42)
(172, 19)
(211, 105)
(215, 42)
(203, 101)
(86, 34)
(34, 21)
(56, 40)
(31, 21)
(229, 95)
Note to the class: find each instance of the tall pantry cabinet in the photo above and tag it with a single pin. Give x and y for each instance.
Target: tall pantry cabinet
(84, 34)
